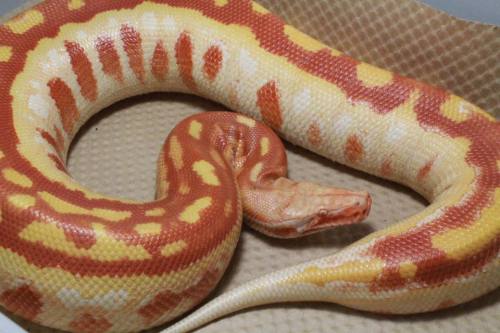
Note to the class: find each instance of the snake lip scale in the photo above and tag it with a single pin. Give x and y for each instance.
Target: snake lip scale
(76, 260)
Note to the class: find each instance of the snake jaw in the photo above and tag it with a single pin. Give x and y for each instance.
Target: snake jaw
(302, 208)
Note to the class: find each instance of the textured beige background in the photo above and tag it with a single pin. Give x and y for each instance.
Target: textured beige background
(116, 152)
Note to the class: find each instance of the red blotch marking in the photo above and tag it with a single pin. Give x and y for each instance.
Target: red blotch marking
(22, 301)
(386, 168)
(58, 162)
(446, 304)
(184, 58)
(213, 62)
(83, 69)
(268, 101)
(132, 44)
(159, 64)
(166, 301)
(433, 265)
(314, 135)
(56, 143)
(88, 323)
(65, 102)
(109, 58)
(353, 150)
(425, 170)
(59, 140)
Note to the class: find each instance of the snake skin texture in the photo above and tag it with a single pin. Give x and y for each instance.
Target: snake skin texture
(76, 260)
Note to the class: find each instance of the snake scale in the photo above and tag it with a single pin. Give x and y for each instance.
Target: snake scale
(76, 260)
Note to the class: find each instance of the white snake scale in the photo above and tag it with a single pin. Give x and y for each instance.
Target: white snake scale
(125, 266)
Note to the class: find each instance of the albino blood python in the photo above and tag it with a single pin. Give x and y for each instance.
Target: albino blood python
(76, 260)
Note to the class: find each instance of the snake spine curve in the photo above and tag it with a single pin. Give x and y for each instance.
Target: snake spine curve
(76, 260)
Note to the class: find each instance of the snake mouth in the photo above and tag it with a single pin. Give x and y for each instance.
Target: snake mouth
(328, 217)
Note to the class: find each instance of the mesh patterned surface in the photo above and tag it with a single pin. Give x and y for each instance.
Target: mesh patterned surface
(116, 152)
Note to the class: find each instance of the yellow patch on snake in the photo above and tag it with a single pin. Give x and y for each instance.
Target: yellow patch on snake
(348, 272)
(255, 172)
(26, 21)
(246, 121)
(184, 189)
(191, 213)
(76, 4)
(106, 248)
(407, 269)
(195, 128)
(303, 40)
(479, 234)
(5, 53)
(64, 207)
(264, 146)
(145, 229)
(173, 248)
(22, 201)
(176, 153)
(228, 208)
(155, 212)
(459, 110)
(221, 3)
(372, 76)
(206, 171)
(2, 155)
(17, 178)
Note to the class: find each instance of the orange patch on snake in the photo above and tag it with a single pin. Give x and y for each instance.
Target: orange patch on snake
(446, 304)
(82, 68)
(386, 168)
(109, 58)
(268, 101)
(184, 57)
(424, 171)
(88, 323)
(212, 62)
(23, 301)
(314, 134)
(59, 140)
(159, 64)
(56, 143)
(353, 150)
(132, 44)
(65, 103)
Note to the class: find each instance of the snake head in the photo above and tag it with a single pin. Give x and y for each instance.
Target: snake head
(288, 209)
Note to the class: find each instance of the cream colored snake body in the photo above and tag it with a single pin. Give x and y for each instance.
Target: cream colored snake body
(76, 260)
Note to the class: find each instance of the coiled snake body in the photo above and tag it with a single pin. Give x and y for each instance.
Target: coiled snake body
(76, 260)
